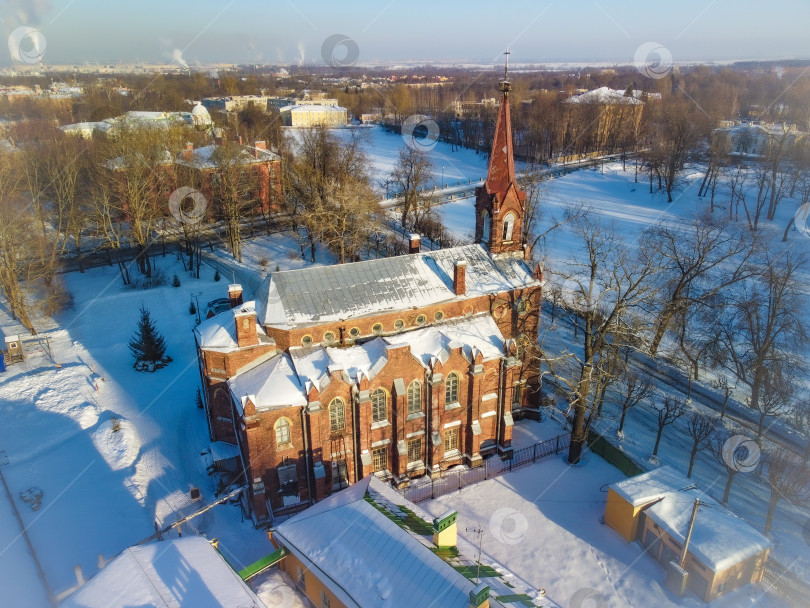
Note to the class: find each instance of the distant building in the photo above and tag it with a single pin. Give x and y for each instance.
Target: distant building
(754, 139)
(201, 166)
(465, 108)
(655, 508)
(236, 103)
(311, 115)
(603, 119)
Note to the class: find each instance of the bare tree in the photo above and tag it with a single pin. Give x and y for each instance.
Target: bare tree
(700, 260)
(761, 331)
(667, 413)
(700, 429)
(409, 180)
(609, 287)
(788, 478)
(635, 388)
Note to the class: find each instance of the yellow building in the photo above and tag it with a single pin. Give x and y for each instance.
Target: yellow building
(368, 547)
(655, 508)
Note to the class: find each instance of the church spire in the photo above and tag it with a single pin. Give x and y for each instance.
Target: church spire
(499, 202)
(502, 161)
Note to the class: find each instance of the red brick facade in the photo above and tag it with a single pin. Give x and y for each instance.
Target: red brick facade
(405, 419)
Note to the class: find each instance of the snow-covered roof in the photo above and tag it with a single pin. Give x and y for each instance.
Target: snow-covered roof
(312, 108)
(372, 562)
(719, 540)
(273, 383)
(185, 571)
(350, 291)
(479, 332)
(204, 157)
(607, 96)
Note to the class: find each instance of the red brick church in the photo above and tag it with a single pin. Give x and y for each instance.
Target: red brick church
(396, 367)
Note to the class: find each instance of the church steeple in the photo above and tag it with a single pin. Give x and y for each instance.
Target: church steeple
(499, 202)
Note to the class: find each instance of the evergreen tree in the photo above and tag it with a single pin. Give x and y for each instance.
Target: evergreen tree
(147, 345)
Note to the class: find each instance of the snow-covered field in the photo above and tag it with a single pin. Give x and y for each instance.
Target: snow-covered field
(543, 522)
(104, 489)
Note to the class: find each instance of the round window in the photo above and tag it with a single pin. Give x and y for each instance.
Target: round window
(329, 337)
(399, 324)
(439, 316)
(377, 329)
(306, 340)
(521, 306)
(421, 319)
(354, 332)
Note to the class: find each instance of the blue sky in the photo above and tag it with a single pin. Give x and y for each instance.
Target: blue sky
(239, 31)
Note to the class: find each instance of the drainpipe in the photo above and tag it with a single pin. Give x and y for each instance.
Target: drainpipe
(306, 453)
(358, 462)
(236, 433)
(499, 414)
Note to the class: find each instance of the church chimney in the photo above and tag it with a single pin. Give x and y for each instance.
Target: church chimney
(460, 277)
(246, 332)
(414, 243)
(235, 295)
(188, 153)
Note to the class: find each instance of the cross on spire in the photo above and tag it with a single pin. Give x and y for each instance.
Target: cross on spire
(506, 67)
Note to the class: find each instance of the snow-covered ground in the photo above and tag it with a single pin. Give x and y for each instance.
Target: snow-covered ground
(104, 489)
(544, 523)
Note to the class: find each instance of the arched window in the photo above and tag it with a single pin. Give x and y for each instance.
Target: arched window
(379, 405)
(487, 223)
(337, 415)
(508, 226)
(451, 388)
(283, 432)
(414, 397)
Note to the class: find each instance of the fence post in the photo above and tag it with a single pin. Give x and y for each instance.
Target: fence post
(486, 469)
(534, 452)
(557, 447)
(458, 479)
(432, 495)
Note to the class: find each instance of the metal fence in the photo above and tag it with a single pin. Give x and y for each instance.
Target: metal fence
(794, 591)
(450, 481)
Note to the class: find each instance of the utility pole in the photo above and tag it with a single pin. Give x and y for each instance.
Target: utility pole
(689, 532)
(480, 533)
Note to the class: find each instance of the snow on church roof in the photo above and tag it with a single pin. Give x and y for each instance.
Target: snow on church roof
(719, 540)
(479, 332)
(349, 291)
(371, 560)
(273, 383)
(185, 571)
(608, 96)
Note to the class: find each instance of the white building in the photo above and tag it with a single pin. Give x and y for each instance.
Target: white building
(310, 115)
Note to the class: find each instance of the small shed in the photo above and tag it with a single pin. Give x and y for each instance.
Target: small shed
(655, 508)
(13, 351)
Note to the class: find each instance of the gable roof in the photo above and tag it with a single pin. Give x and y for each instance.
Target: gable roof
(297, 298)
(272, 383)
(185, 571)
(204, 157)
(478, 333)
(719, 540)
(371, 561)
